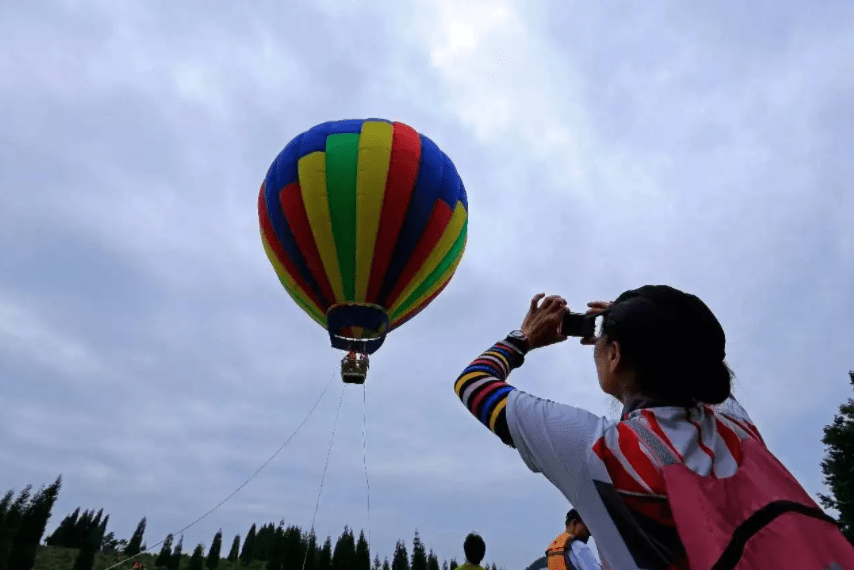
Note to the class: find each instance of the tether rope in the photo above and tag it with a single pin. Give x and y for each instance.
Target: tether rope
(150, 549)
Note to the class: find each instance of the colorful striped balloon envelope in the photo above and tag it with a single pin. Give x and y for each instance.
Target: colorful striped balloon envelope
(365, 224)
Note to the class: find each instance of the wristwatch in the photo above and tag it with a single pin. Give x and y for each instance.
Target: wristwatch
(518, 339)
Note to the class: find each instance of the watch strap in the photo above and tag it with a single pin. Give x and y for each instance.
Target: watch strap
(519, 341)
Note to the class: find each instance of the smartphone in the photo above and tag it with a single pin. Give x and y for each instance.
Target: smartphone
(579, 324)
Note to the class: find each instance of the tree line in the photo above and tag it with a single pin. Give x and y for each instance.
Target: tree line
(23, 521)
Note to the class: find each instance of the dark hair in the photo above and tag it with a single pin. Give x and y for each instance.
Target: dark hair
(672, 342)
(573, 515)
(474, 547)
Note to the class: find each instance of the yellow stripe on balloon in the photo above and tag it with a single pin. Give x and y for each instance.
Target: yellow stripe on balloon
(312, 178)
(286, 277)
(443, 246)
(294, 290)
(374, 159)
(404, 310)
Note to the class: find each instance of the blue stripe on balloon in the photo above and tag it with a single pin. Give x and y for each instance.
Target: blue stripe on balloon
(451, 184)
(454, 180)
(283, 169)
(464, 196)
(428, 187)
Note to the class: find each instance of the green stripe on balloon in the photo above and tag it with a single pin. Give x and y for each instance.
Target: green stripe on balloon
(312, 311)
(434, 276)
(342, 153)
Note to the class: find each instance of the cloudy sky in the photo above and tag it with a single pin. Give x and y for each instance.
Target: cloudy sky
(149, 354)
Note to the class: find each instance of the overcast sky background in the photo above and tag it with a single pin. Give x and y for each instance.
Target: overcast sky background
(149, 354)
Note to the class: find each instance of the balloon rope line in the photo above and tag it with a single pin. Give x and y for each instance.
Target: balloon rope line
(150, 549)
(323, 477)
(365, 458)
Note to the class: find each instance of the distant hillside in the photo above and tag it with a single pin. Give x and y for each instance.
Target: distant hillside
(59, 558)
(537, 564)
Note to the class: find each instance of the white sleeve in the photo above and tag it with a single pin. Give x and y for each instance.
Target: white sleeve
(553, 439)
(582, 557)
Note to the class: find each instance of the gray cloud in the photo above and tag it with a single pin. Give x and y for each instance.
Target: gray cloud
(150, 355)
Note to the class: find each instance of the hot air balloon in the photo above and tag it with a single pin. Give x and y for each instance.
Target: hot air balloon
(364, 222)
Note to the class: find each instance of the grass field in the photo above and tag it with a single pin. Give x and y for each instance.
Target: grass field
(56, 558)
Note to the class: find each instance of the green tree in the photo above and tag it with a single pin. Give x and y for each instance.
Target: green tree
(81, 530)
(324, 559)
(275, 550)
(838, 465)
(62, 534)
(386, 565)
(400, 560)
(344, 555)
(11, 523)
(134, 546)
(213, 555)
(432, 561)
(197, 560)
(234, 553)
(377, 565)
(109, 543)
(246, 555)
(445, 565)
(102, 530)
(91, 543)
(454, 563)
(263, 542)
(419, 554)
(33, 522)
(294, 551)
(96, 522)
(311, 552)
(165, 555)
(175, 561)
(363, 553)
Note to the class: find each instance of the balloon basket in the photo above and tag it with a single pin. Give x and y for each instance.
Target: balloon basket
(354, 368)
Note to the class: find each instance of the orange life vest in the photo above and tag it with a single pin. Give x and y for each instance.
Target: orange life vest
(556, 552)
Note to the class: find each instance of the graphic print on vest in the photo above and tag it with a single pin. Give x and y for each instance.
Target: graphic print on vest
(758, 518)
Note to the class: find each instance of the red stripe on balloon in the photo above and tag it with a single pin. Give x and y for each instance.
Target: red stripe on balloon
(294, 209)
(280, 254)
(440, 217)
(402, 174)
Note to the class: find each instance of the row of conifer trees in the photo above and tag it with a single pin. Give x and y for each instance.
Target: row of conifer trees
(23, 521)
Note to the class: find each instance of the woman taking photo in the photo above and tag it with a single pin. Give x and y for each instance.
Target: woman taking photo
(683, 479)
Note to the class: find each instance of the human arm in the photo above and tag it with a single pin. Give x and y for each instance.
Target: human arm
(482, 387)
(483, 390)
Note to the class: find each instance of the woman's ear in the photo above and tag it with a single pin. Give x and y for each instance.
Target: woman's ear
(614, 356)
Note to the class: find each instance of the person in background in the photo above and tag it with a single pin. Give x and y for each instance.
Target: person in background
(475, 549)
(569, 551)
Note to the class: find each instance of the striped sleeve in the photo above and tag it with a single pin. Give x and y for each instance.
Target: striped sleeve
(483, 389)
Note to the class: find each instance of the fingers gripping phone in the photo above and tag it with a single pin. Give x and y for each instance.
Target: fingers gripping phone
(578, 324)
